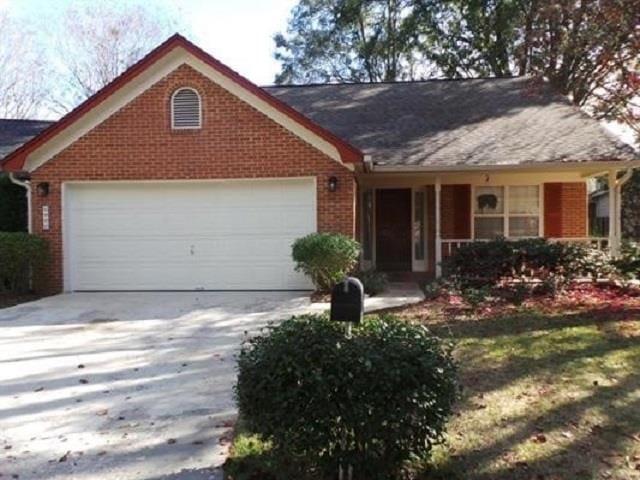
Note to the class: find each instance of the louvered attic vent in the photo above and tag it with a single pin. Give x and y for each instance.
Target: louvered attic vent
(186, 111)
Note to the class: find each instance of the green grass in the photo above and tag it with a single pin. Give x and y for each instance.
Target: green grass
(546, 395)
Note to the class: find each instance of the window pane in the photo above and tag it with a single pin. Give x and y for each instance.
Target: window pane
(489, 227)
(524, 200)
(418, 225)
(523, 227)
(367, 230)
(489, 200)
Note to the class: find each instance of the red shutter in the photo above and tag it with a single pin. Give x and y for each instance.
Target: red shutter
(553, 210)
(462, 211)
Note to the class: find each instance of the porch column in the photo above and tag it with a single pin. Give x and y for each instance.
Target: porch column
(438, 189)
(614, 213)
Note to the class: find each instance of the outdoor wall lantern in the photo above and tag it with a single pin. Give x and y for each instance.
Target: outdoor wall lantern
(43, 189)
(333, 184)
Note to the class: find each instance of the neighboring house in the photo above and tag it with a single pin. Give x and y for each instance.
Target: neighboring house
(14, 133)
(183, 175)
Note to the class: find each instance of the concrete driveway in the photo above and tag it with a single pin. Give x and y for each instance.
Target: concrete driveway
(125, 385)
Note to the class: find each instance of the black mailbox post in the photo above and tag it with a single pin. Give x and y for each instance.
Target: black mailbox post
(347, 301)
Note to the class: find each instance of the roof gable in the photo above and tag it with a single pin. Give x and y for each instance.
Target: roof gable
(160, 62)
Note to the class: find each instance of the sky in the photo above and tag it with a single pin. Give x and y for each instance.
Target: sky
(237, 32)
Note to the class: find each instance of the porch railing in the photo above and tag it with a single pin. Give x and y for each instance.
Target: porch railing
(450, 245)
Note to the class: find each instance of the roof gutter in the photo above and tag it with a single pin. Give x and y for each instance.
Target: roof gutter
(26, 184)
(565, 166)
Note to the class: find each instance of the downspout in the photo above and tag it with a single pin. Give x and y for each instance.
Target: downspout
(368, 163)
(615, 208)
(26, 184)
(620, 183)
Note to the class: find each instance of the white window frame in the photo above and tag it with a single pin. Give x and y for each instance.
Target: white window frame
(505, 214)
(371, 262)
(416, 265)
(420, 265)
(173, 96)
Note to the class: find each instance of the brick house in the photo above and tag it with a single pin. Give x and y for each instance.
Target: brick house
(183, 175)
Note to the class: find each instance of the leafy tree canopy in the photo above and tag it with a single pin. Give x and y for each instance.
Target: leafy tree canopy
(588, 49)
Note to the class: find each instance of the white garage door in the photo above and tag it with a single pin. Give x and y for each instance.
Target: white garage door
(227, 235)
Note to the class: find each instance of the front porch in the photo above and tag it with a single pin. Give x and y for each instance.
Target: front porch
(409, 222)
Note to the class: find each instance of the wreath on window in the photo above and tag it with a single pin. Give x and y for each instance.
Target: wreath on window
(487, 200)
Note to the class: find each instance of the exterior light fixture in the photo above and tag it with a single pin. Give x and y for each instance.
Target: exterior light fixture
(333, 184)
(42, 189)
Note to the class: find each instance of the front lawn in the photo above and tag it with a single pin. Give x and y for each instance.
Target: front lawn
(551, 390)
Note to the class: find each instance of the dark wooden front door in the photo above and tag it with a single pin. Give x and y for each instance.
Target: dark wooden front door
(393, 229)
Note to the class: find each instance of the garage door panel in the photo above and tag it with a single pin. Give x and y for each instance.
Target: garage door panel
(172, 236)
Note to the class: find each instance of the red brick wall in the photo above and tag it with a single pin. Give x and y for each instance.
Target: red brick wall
(565, 210)
(455, 211)
(236, 141)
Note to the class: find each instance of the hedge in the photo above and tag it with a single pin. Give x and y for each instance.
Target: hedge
(20, 253)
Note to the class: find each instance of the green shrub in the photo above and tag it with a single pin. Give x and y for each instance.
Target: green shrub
(480, 264)
(476, 296)
(20, 252)
(373, 401)
(13, 206)
(628, 262)
(374, 282)
(325, 257)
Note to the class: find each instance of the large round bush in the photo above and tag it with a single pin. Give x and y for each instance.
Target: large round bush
(371, 401)
(325, 257)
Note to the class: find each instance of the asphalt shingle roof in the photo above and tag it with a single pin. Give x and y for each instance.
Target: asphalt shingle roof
(14, 133)
(447, 123)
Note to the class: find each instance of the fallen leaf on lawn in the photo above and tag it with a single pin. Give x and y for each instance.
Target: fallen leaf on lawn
(540, 438)
(606, 462)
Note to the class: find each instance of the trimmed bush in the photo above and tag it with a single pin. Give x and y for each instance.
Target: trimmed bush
(372, 401)
(20, 252)
(481, 264)
(628, 263)
(374, 282)
(325, 257)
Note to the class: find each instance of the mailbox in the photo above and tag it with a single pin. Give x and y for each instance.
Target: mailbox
(347, 301)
